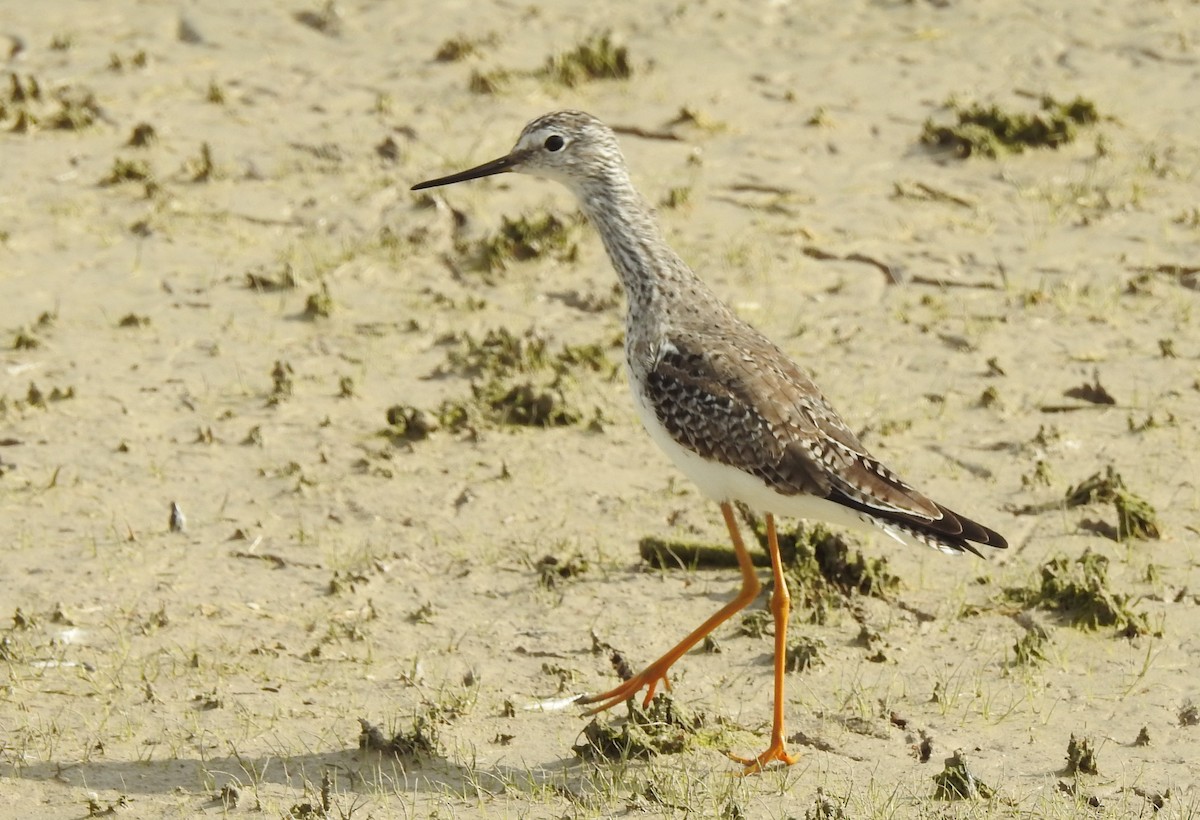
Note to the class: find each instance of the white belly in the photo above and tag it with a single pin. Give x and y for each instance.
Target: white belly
(722, 483)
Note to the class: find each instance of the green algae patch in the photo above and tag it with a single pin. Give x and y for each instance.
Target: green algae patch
(1136, 517)
(1081, 756)
(597, 58)
(991, 131)
(668, 553)
(663, 728)
(524, 238)
(957, 782)
(819, 565)
(1030, 648)
(1079, 591)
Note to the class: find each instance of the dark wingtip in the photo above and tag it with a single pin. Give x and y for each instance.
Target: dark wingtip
(950, 532)
(960, 533)
(967, 546)
(974, 532)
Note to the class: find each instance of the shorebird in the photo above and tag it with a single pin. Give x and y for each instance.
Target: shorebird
(730, 409)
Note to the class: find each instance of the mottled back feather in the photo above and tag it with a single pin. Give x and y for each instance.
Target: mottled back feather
(740, 401)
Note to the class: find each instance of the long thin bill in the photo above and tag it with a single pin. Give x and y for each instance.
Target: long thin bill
(496, 166)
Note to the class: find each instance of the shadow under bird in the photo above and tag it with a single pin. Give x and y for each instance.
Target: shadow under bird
(730, 409)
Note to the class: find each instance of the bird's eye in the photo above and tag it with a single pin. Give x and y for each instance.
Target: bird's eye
(554, 142)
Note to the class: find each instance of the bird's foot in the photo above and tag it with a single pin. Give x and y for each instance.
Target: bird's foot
(650, 677)
(774, 753)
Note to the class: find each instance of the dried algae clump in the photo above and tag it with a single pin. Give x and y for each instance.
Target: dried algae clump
(420, 742)
(318, 305)
(957, 782)
(499, 353)
(526, 404)
(410, 423)
(1081, 757)
(488, 82)
(266, 281)
(663, 728)
(821, 572)
(815, 558)
(991, 131)
(516, 380)
(77, 109)
(553, 570)
(1136, 518)
(282, 382)
(1030, 648)
(500, 356)
(597, 58)
(756, 623)
(26, 102)
(849, 575)
(824, 808)
(803, 654)
(665, 553)
(455, 49)
(1189, 714)
(525, 238)
(1079, 591)
(142, 135)
(128, 170)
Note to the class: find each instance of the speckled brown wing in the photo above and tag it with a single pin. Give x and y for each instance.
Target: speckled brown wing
(707, 406)
(745, 404)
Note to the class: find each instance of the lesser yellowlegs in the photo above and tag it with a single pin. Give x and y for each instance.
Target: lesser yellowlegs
(730, 409)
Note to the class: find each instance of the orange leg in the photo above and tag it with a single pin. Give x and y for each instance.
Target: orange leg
(781, 602)
(657, 671)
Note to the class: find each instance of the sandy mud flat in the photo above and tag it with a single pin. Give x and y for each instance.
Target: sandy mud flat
(413, 498)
